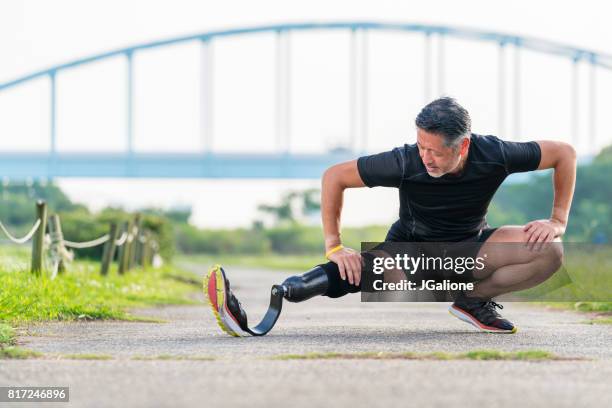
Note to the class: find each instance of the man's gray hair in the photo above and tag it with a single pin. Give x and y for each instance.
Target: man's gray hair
(445, 117)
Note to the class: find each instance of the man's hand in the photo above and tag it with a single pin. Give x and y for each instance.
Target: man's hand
(349, 264)
(541, 231)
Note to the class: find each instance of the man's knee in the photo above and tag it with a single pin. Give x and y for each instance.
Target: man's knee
(548, 260)
(553, 253)
(509, 233)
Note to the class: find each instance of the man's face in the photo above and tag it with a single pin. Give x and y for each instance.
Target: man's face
(436, 156)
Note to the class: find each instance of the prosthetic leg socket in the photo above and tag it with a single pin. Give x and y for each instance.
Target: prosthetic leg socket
(303, 287)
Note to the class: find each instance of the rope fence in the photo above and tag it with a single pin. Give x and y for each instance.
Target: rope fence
(23, 240)
(121, 240)
(87, 244)
(133, 244)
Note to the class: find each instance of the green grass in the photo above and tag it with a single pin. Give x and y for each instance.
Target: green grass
(600, 320)
(603, 307)
(7, 335)
(583, 284)
(14, 352)
(268, 261)
(172, 357)
(8, 349)
(515, 355)
(82, 294)
(526, 355)
(593, 306)
(87, 356)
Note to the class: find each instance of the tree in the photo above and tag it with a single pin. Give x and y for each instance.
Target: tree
(295, 206)
(591, 214)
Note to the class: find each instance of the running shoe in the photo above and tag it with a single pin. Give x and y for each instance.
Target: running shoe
(481, 314)
(228, 311)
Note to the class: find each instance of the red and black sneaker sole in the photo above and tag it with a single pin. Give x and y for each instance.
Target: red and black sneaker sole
(216, 293)
(468, 318)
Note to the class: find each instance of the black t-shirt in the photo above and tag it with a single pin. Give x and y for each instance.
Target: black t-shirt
(451, 207)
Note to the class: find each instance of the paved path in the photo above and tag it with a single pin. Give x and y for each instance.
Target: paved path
(244, 375)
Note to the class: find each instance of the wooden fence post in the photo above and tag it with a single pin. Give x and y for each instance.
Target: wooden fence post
(140, 248)
(154, 251)
(124, 250)
(109, 249)
(135, 242)
(144, 253)
(57, 240)
(151, 252)
(39, 238)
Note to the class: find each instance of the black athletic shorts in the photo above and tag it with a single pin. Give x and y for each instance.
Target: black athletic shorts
(466, 247)
(397, 233)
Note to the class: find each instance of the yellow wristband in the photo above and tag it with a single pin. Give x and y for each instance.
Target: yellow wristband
(334, 249)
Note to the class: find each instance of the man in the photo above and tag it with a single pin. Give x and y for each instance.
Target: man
(446, 182)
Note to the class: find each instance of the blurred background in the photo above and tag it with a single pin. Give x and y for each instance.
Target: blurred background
(217, 119)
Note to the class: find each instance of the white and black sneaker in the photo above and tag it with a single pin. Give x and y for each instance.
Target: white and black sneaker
(481, 314)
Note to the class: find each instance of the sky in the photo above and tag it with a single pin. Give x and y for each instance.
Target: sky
(38, 34)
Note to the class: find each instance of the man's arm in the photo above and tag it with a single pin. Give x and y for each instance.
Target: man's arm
(561, 157)
(335, 180)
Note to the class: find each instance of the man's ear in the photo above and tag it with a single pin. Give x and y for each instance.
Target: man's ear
(465, 145)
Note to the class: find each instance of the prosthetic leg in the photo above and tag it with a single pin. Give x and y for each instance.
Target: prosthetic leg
(231, 317)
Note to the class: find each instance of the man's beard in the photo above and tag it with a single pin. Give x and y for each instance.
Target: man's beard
(437, 175)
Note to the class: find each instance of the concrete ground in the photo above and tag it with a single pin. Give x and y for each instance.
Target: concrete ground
(244, 373)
